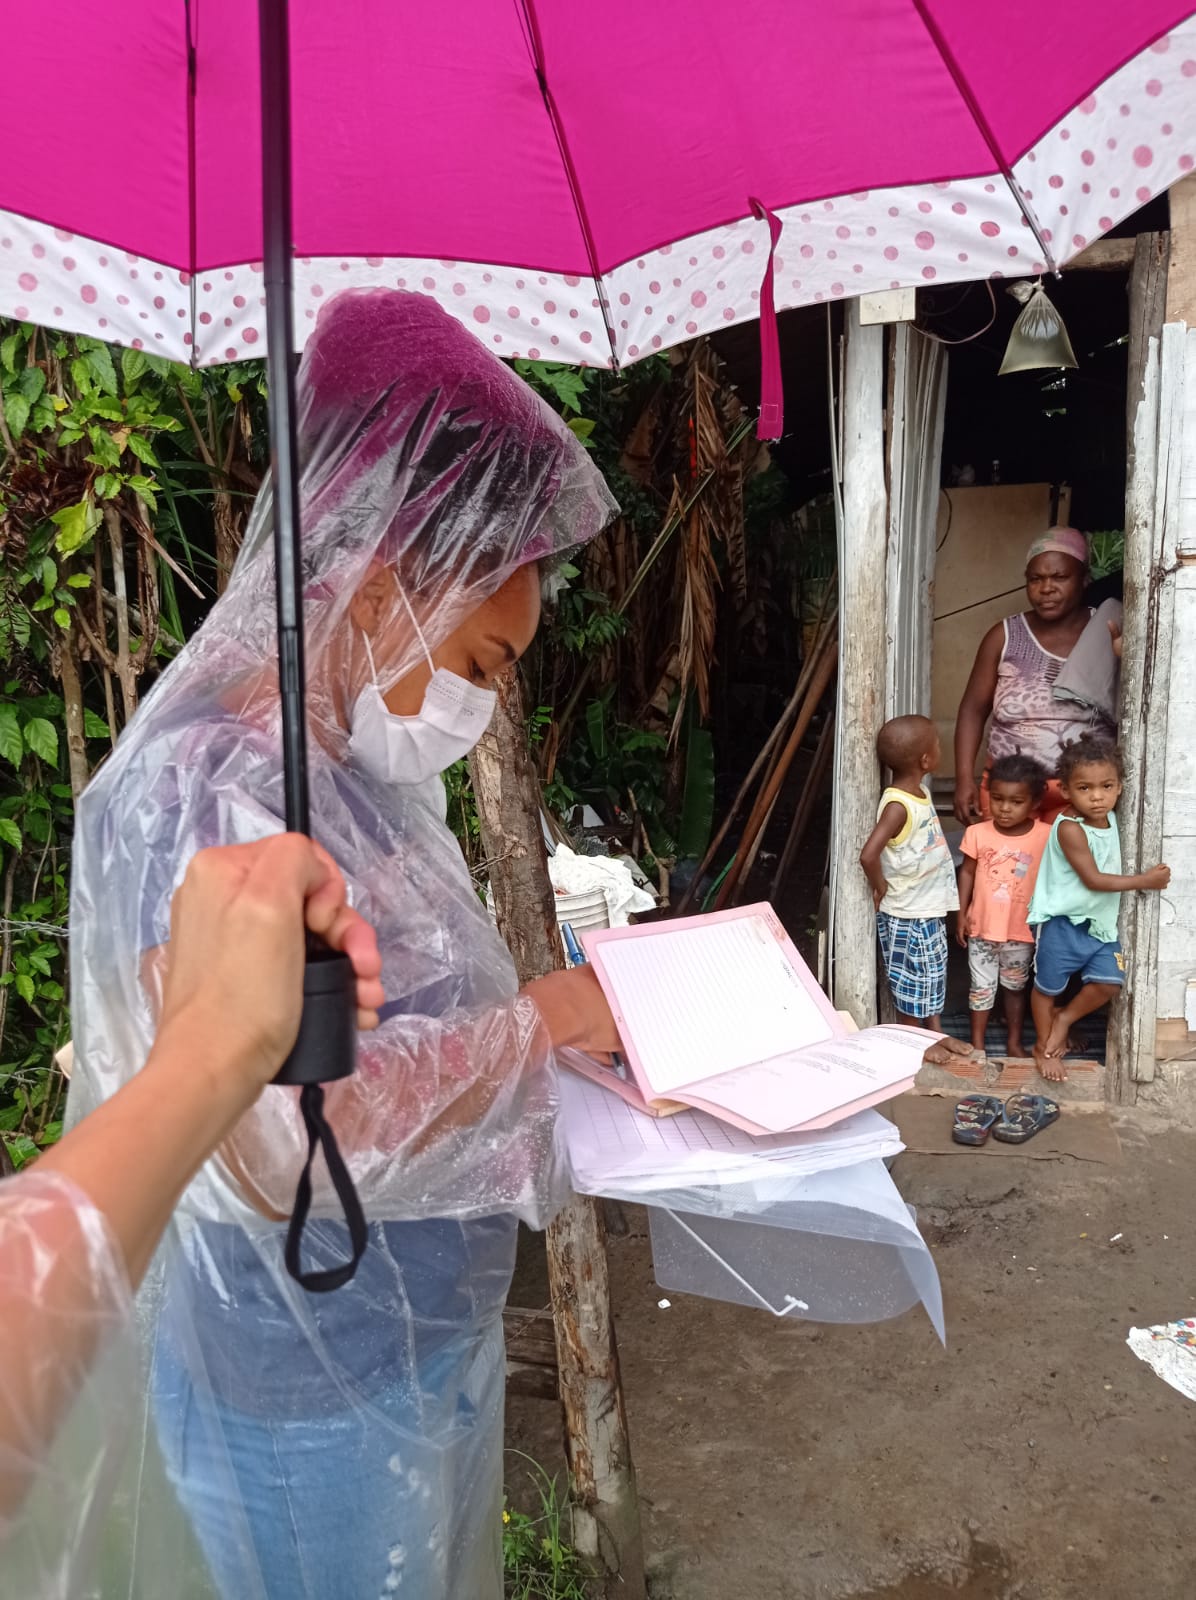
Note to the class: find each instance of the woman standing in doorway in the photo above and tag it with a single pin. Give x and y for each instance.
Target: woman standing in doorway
(1014, 675)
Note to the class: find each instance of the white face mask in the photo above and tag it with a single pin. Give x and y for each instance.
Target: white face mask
(412, 750)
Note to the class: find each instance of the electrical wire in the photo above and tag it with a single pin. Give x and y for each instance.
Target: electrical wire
(967, 339)
(1004, 595)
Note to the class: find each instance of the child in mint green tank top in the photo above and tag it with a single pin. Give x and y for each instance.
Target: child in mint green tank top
(1077, 898)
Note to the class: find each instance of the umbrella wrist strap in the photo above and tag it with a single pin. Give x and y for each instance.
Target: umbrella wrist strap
(319, 1133)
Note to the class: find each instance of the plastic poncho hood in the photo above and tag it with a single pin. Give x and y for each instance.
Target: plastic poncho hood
(347, 1444)
(421, 450)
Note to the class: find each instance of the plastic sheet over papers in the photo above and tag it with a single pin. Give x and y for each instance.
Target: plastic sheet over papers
(801, 1225)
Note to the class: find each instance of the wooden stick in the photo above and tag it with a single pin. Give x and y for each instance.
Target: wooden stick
(863, 659)
(749, 858)
(805, 806)
(1146, 662)
(826, 663)
(766, 750)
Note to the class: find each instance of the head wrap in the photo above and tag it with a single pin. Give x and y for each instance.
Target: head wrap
(1060, 542)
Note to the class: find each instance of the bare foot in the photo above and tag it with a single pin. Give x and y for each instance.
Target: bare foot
(1050, 1057)
(1016, 1050)
(947, 1053)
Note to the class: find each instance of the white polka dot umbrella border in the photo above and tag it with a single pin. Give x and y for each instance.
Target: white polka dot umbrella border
(1113, 152)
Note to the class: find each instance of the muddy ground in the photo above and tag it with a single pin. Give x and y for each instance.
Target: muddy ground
(1031, 1459)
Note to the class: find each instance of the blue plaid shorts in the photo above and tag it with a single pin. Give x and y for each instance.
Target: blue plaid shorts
(915, 956)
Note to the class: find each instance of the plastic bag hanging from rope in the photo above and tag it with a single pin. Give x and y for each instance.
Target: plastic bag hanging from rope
(1039, 338)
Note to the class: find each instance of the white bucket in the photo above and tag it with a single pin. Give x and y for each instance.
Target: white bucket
(586, 910)
(580, 911)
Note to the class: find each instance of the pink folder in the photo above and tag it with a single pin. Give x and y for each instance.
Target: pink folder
(721, 1012)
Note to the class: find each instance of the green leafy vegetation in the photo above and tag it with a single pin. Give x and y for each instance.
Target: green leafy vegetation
(124, 482)
(538, 1563)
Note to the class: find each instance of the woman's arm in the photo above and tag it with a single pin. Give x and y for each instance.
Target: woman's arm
(82, 1224)
(974, 711)
(448, 1116)
(1073, 841)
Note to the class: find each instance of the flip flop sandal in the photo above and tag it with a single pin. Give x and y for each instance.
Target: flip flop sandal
(1024, 1116)
(975, 1117)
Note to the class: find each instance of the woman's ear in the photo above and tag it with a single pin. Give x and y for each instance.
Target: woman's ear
(366, 606)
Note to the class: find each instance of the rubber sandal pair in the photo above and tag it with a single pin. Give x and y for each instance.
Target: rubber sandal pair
(1012, 1121)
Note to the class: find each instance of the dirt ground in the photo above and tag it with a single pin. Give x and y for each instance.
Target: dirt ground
(1031, 1459)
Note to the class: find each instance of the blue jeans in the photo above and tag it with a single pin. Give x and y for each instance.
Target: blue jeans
(344, 1446)
(357, 1506)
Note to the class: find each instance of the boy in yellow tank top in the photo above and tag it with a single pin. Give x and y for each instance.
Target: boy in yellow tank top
(908, 863)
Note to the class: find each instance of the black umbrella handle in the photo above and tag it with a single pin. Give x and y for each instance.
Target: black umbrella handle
(326, 1048)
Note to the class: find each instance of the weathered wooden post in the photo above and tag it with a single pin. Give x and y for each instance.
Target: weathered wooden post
(862, 561)
(1130, 1058)
(606, 1522)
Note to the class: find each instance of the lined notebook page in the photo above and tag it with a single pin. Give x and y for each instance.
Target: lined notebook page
(699, 1001)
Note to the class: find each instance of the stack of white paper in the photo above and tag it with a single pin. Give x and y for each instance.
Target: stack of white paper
(613, 1148)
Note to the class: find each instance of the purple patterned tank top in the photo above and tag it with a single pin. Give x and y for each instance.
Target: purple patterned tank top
(1027, 719)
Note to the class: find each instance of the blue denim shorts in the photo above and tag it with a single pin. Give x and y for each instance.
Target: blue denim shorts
(1065, 949)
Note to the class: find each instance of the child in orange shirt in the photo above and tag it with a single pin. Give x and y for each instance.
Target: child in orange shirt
(996, 880)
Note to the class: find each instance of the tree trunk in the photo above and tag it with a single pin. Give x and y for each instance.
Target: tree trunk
(124, 660)
(72, 698)
(606, 1525)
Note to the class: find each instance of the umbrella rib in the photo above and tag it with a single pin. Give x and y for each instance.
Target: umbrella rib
(192, 22)
(537, 49)
(969, 98)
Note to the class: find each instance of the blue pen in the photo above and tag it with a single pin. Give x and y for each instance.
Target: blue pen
(577, 958)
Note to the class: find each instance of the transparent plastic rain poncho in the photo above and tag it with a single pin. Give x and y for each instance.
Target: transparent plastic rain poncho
(68, 1377)
(344, 1445)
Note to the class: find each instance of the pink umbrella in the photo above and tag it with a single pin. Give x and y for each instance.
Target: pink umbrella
(573, 189)
(586, 190)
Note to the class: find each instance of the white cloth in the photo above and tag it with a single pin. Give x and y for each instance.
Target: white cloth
(574, 874)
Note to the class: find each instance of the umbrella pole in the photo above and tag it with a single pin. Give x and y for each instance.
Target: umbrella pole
(326, 1048)
(284, 454)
